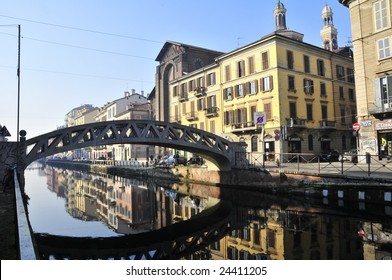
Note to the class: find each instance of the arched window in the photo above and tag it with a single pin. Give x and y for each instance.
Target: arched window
(254, 144)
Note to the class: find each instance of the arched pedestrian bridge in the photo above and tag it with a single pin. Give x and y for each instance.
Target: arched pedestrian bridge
(220, 151)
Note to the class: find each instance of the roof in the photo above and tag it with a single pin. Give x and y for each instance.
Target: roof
(168, 44)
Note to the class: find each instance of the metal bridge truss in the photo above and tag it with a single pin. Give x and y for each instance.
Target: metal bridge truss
(173, 135)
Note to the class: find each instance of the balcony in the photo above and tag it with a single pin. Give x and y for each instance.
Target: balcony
(296, 123)
(211, 112)
(328, 124)
(192, 116)
(200, 91)
(183, 97)
(382, 108)
(244, 126)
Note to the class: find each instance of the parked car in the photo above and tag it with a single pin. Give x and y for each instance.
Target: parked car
(351, 155)
(331, 155)
(174, 160)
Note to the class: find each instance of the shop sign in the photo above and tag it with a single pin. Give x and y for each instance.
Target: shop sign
(295, 139)
(387, 124)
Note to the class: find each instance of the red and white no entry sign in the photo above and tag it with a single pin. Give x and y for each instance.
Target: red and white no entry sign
(356, 126)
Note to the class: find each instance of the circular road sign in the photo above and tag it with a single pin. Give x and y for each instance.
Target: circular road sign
(356, 126)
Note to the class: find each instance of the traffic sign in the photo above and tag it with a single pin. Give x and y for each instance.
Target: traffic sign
(260, 118)
(356, 126)
(4, 131)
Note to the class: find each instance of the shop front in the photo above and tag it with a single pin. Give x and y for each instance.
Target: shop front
(384, 138)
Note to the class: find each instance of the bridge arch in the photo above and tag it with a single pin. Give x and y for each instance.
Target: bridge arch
(216, 149)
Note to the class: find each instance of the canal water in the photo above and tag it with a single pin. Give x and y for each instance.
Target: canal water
(77, 215)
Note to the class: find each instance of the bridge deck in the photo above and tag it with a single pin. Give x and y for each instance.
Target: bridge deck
(8, 241)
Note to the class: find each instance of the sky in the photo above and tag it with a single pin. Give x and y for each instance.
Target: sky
(75, 52)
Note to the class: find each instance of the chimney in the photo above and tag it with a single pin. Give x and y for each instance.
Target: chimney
(133, 91)
(142, 93)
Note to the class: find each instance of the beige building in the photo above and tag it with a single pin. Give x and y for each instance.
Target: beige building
(303, 93)
(371, 39)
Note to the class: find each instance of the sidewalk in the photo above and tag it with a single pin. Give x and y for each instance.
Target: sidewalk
(8, 241)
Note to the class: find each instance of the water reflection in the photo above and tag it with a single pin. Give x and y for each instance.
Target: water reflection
(152, 219)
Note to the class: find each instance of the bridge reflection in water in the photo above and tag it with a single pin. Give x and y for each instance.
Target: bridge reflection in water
(157, 220)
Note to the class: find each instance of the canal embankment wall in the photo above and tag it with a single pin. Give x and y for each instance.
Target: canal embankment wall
(362, 188)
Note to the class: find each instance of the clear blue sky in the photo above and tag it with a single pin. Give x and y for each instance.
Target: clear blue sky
(77, 52)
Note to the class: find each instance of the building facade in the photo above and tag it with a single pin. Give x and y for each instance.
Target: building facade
(371, 38)
(305, 93)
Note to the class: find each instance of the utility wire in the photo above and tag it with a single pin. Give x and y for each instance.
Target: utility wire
(77, 74)
(84, 30)
(80, 47)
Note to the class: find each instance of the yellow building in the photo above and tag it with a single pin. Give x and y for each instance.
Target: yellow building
(304, 94)
(371, 38)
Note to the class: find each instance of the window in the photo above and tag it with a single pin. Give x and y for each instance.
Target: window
(240, 116)
(291, 82)
(175, 91)
(200, 82)
(212, 126)
(308, 86)
(351, 94)
(183, 109)
(384, 50)
(353, 115)
(252, 113)
(211, 79)
(340, 72)
(211, 101)
(254, 144)
(192, 85)
(324, 112)
(383, 92)
(251, 87)
(265, 60)
(323, 89)
(306, 64)
(239, 90)
(341, 93)
(229, 117)
(268, 111)
(266, 83)
(310, 142)
(320, 67)
(381, 14)
(290, 60)
(293, 110)
(309, 111)
(228, 93)
(201, 104)
(343, 115)
(241, 68)
(227, 72)
(251, 65)
(350, 75)
(183, 88)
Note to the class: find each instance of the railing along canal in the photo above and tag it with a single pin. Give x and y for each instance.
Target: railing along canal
(365, 165)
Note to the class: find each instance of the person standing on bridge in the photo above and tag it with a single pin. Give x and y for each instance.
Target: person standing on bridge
(8, 180)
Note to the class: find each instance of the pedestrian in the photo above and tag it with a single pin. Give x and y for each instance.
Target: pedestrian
(8, 180)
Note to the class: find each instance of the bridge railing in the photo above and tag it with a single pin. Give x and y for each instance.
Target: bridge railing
(366, 164)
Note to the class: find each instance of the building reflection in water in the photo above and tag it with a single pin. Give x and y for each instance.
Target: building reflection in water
(262, 226)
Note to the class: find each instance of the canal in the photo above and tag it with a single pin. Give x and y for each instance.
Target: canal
(77, 215)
